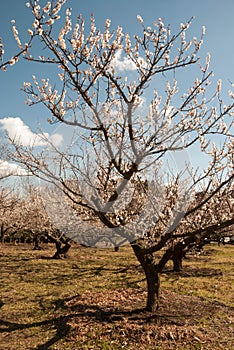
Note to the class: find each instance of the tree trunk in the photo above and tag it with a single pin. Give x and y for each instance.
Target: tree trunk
(153, 284)
(177, 257)
(177, 263)
(62, 244)
(2, 232)
(152, 277)
(36, 245)
(62, 251)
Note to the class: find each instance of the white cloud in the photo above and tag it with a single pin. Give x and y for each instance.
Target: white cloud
(123, 64)
(22, 134)
(7, 169)
(56, 139)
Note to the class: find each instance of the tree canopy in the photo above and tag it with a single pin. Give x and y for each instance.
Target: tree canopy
(131, 130)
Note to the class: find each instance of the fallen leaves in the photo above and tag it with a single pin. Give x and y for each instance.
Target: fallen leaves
(112, 317)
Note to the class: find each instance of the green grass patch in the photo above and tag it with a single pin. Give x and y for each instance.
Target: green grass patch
(94, 300)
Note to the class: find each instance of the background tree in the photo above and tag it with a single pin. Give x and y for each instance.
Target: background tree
(8, 222)
(204, 224)
(8, 197)
(127, 127)
(23, 218)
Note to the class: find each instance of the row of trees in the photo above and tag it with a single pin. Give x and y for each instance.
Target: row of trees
(23, 219)
(126, 175)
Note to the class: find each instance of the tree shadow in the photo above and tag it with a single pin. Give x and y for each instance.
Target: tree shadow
(92, 312)
(194, 272)
(84, 310)
(59, 323)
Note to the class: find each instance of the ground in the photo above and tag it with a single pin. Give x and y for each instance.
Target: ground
(95, 300)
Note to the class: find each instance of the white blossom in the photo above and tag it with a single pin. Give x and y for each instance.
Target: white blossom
(40, 31)
(50, 21)
(140, 19)
(12, 61)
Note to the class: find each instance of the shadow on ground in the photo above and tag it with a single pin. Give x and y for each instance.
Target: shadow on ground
(119, 310)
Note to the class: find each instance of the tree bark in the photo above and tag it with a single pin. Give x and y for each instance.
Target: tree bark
(177, 263)
(152, 277)
(153, 284)
(177, 257)
(61, 251)
(62, 244)
(36, 245)
(2, 232)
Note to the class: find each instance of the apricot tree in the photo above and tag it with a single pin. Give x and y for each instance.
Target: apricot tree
(129, 164)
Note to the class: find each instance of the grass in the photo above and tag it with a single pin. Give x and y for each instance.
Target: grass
(210, 276)
(94, 300)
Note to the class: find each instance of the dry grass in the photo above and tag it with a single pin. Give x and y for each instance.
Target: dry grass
(95, 300)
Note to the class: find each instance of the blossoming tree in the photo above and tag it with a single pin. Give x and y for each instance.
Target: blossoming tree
(8, 202)
(128, 163)
(4, 63)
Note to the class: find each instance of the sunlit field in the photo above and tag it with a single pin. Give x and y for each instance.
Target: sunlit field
(95, 300)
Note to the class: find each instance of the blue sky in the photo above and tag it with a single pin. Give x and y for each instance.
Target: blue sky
(216, 15)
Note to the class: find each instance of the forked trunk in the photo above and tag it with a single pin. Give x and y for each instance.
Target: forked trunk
(152, 277)
(61, 250)
(62, 244)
